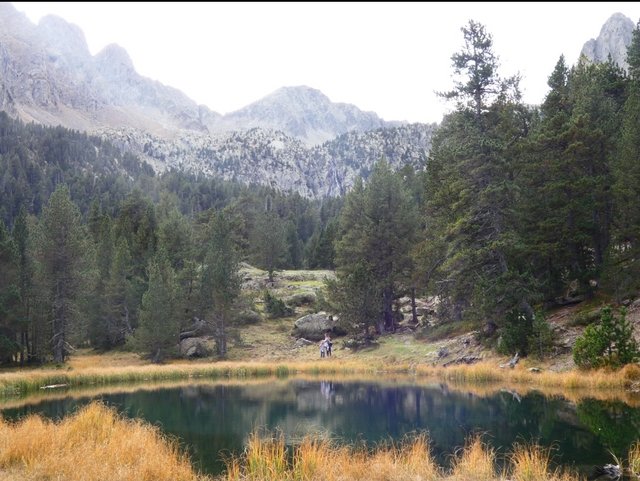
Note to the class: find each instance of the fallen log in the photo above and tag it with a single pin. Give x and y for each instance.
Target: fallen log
(462, 360)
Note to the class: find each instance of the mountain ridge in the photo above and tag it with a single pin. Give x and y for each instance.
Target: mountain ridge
(49, 76)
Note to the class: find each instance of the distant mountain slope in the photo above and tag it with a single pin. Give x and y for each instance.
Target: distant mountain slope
(614, 39)
(273, 158)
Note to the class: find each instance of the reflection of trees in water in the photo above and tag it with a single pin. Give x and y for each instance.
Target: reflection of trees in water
(211, 418)
(616, 424)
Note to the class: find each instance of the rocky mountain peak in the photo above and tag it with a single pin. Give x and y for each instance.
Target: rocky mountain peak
(614, 39)
(305, 113)
(63, 36)
(115, 61)
(12, 21)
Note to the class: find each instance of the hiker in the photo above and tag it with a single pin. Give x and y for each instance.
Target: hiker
(328, 343)
(323, 348)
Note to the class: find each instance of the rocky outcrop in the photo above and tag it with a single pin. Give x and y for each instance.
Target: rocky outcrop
(614, 39)
(314, 326)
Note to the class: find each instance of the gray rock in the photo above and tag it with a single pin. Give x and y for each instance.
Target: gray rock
(302, 343)
(194, 347)
(247, 316)
(301, 299)
(314, 326)
(614, 39)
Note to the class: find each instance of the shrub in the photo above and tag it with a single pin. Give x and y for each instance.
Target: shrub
(276, 307)
(607, 344)
(515, 333)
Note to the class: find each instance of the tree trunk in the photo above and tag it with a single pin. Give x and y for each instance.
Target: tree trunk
(59, 317)
(414, 312)
(387, 308)
(221, 340)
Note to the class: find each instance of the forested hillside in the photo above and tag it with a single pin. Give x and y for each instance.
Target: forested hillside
(519, 209)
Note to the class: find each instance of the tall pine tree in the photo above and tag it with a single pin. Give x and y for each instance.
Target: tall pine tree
(61, 254)
(471, 194)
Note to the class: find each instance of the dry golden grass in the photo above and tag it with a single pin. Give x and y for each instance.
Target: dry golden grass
(489, 373)
(474, 462)
(634, 459)
(532, 463)
(266, 459)
(95, 444)
(87, 372)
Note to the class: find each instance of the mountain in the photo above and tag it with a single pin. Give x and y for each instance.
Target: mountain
(49, 76)
(304, 113)
(614, 39)
(294, 139)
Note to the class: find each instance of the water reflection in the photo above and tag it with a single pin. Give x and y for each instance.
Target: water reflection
(211, 419)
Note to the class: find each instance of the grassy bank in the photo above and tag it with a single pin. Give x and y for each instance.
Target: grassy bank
(488, 373)
(20, 383)
(96, 444)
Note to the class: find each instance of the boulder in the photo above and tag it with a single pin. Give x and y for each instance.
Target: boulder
(302, 343)
(247, 316)
(314, 326)
(193, 347)
(302, 299)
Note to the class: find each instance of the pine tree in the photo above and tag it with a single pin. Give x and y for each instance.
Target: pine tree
(373, 250)
(159, 330)
(471, 193)
(269, 242)
(24, 249)
(545, 181)
(9, 296)
(220, 279)
(61, 254)
(625, 258)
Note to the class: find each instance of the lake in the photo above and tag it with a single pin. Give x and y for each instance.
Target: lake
(215, 418)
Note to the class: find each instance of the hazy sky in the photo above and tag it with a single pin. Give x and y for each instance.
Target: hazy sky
(389, 58)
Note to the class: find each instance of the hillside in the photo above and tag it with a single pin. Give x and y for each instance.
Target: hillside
(274, 340)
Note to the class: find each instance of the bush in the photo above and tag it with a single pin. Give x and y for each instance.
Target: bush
(607, 344)
(515, 333)
(276, 307)
(525, 335)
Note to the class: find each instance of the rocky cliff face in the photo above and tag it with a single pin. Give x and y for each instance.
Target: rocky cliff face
(614, 39)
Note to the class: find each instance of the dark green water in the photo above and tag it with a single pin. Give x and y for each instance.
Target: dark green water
(216, 418)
